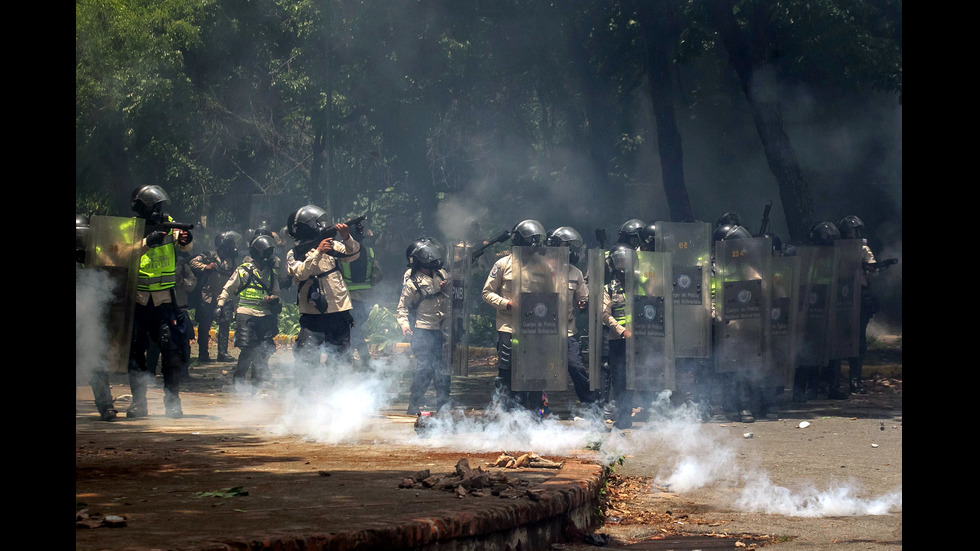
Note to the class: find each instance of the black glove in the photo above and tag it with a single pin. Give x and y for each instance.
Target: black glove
(155, 239)
(219, 313)
(185, 237)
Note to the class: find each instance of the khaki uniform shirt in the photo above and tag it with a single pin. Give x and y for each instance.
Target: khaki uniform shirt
(431, 296)
(499, 289)
(214, 280)
(332, 285)
(578, 290)
(867, 257)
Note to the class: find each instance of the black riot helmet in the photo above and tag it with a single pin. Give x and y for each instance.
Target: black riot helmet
(620, 257)
(148, 202)
(82, 230)
(428, 254)
(823, 233)
(527, 233)
(729, 219)
(648, 237)
(731, 231)
(414, 245)
(226, 243)
(777, 243)
(262, 249)
(568, 237)
(629, 232)
(849, 224)
(263, 228)
(306, 222)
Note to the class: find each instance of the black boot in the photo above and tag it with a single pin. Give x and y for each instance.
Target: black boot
(857, 387)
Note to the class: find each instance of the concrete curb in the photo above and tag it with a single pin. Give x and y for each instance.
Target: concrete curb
(566, 504)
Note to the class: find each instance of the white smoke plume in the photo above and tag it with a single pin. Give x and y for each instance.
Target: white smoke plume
(331, 403)
(763, 496)
(93, 292)
(698, 459)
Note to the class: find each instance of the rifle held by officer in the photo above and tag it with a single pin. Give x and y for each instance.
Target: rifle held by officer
(881, 265)
(765, 218)
(504, 236)
(167, 226)
(330, 232)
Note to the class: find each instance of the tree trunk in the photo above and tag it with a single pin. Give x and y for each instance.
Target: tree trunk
(747, 58)
(660, 23)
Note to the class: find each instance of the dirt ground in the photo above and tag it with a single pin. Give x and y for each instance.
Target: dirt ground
(127, 467)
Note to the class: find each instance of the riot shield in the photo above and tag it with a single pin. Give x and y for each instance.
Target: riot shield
(596, 272)
(784, 318)
(650, 353)
(847, 303)
(744, 274)
(540, 337)
(689, 244)
(113, 247)
(817, 289)
(456, 328)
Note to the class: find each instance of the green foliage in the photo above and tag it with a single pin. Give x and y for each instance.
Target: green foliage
(382, 328)
(482, 330)
(289, 320)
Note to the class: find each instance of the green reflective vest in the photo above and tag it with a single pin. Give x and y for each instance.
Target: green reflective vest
(158, 267)
(253, 294)
(617, 300)
(364, 281)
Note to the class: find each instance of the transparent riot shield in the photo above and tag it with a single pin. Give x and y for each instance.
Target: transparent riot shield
(744, 274)
(650, 353)
(540, 337)
(817, 289)
(113, 247)
(596, 272)
(847, 302)
(784, 318)
(689, 244)
(456, 327)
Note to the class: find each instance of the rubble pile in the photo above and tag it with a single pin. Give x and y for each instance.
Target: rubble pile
(467, 481)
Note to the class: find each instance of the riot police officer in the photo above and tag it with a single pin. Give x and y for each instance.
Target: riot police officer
(215, 267)
(648, 237)
(421, 314)
(256, 283)
(812, 379)
(615, 312)
(629, 233)
(499, 293)
(578, 299)
(739, 393)
(157, 316)
(324, 301)
(99, 376)
(851, 227)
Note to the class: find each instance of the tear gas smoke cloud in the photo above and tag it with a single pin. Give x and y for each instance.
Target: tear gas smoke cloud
(331, 403)
(93, 292)
(698, 459)
(761, 495)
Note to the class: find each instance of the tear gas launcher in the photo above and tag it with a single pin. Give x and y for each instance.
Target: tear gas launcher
(504, 236)
(300, 250)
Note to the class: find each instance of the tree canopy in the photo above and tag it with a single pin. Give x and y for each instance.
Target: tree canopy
(432, 114)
